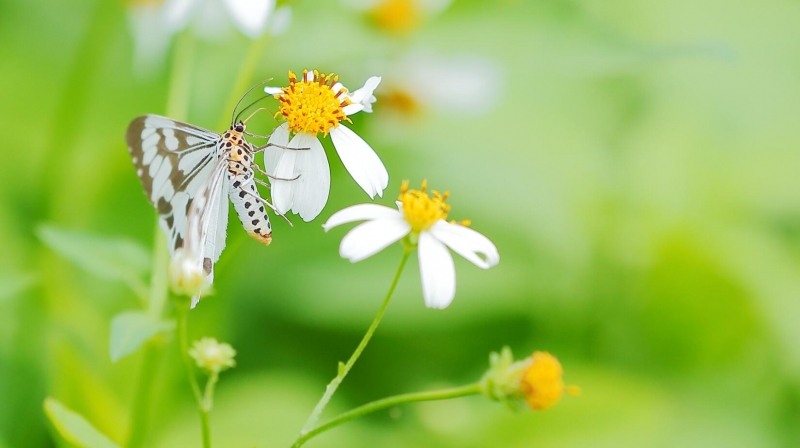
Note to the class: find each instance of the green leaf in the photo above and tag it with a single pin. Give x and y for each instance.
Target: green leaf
(74, 428)
(108, 257)
(131, 329)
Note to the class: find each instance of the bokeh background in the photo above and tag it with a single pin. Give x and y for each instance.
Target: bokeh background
(635, 162)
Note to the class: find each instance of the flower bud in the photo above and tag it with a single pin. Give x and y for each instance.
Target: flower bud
(536, 380)
(186, 274)
(212, 356)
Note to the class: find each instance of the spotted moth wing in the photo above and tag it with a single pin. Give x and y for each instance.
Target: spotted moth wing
(173, 161)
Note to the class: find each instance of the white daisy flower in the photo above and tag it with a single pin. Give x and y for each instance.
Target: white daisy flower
(318, 104)
(248, 16)
(422, 219)
(153, 23)
(436, 83)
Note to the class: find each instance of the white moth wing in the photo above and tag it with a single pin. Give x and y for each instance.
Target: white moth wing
(173, 160)
(207, 221)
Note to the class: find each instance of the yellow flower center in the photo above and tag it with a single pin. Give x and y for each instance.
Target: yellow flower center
(422, 210)
(396, 16)
(311, 106)
(542, 381)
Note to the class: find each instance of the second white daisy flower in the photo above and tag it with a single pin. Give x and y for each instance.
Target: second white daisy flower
(422, 218)
(318, 104)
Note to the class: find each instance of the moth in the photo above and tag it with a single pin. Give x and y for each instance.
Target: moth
(188, 171)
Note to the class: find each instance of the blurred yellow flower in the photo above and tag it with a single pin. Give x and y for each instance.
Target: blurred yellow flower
(536, 380)
(212, 356)
(542, 381)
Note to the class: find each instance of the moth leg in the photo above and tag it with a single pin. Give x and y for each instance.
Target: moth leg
(258, 168)
(262, 148)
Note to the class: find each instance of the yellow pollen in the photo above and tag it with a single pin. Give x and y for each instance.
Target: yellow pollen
(310, 106)
(422, 210)
(542, 382)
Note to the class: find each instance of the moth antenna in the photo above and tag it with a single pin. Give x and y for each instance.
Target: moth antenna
(254, 112)
(238, 103)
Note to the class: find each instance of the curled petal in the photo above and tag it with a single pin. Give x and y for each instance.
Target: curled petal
(371, 237)
(250, 16)
(437, 271)
(360, 160)
(364, 96)
(467, 243)
(361, 212)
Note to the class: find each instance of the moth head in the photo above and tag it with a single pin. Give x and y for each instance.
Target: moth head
(238, 127)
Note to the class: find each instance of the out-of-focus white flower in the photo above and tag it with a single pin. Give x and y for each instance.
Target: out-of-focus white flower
(212, 356)
(153, 23)
(461, 84)
(398, 16)
(318, 104)
(248, 16)
(422, 218)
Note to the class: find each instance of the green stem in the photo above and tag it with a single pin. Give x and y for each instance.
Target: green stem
(140, 418)
(177, 104)
(208, 397)
(179, 82)
(245, 74)
(444, 394)
(344, 369)
(183, 341)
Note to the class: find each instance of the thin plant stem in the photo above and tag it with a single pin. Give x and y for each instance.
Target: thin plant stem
(444, 394)
(177, 104)
(344, 369)
(208, 397)
(243, 79)
(183, 342)
(140, 417)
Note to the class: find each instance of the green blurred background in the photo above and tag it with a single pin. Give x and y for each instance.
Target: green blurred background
(636, 164)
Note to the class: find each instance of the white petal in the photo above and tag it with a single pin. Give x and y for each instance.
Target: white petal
(283, 191)
(467, 243)
(177, 13)
(280, 21)
(272, 90)
(364, 95)
(250, 16)
(150, 38)
(350, 109)
(371, 237)
(279, 136)
(437, 272)
(361, 212)
(309, 193)
(360, 160)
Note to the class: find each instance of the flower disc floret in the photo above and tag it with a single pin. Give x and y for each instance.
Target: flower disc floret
(314, 104)
(420, 210)
(542, 382)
